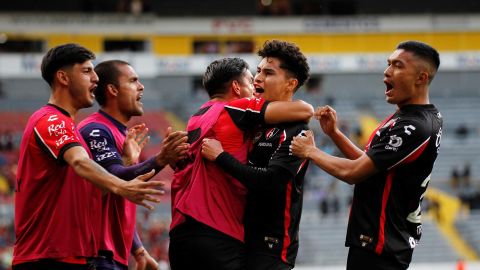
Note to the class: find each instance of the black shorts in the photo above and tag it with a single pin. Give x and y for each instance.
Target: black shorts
(265, 262)
(360, 259)
(48, 264)
(194, 245)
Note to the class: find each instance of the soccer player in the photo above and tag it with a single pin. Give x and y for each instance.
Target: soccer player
(57, 213)
(207, 205)
(119, 95)
(274, 178)
(392, 174)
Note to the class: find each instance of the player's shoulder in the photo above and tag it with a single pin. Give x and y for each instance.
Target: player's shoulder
(93, 125)
(419, 113)
(52, 120)
(95, 130)
(48, 114)
(244, 103)
(420, 121)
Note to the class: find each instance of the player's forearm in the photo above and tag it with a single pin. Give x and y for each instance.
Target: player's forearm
(130, 172)
(252, 177)
(288, 111)
(96, 174)
(347, 147)
(343, 169)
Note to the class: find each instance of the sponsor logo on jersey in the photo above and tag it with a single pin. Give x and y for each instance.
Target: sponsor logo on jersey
(408, 129)
(52, 118)
(94, 133)
(105, 156)
(99, 146)
(413, 242)
(394, 143)
(57, 129)
(439, 139)
(265, 144)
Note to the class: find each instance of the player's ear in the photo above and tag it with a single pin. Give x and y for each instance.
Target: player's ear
(292, 84)
(62, 77)
(423, 77)
(112, 90)
(236, 88)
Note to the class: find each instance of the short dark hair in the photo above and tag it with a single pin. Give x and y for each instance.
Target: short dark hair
(290, 56)
(107, 73)
(424, 52)
(62, 56)
(221, 72)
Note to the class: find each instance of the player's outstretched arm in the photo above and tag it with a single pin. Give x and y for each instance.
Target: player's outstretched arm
(288, 111)
(349, 171)
(174, 147)
(137, 190)
(327, 117)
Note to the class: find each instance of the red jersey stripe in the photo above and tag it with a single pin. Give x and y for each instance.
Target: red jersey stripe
(414, 154)
(381, 229)
(286, 237)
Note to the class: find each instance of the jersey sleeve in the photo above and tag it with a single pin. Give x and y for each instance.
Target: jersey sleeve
(55, 134)
(400, 143)
(283, 156)
(101, 144)
(247, 113)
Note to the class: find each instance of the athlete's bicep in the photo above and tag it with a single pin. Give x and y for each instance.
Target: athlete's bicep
(362, 168)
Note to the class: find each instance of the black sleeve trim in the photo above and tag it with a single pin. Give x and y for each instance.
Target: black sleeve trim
(253, 177)
(263, 110)
(64, 149)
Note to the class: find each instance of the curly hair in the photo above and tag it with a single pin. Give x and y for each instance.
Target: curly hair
(290, 56)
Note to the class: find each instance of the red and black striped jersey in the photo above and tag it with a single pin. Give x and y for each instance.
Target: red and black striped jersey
(385, 215)
(274, 206)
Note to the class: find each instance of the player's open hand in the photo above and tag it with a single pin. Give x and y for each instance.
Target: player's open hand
(135, 140)
(211, 148)
(302, 146)
(174, 147)
(140, 191)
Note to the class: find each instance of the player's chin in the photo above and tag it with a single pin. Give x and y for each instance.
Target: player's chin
(390, 100)
(88, 103)
(139, 112)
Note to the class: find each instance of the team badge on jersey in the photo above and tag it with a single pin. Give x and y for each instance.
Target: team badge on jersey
(269, 134)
